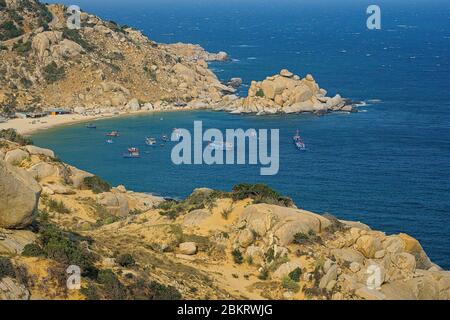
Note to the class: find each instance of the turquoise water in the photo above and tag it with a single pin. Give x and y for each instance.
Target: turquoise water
(387, 166)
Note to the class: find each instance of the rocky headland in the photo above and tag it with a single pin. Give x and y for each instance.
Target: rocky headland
(249, 243)
(108, 69)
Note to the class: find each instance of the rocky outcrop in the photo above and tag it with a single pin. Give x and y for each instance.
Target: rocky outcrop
(287, 93)
(19, 196)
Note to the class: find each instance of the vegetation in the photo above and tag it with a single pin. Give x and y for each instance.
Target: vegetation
(53, 73)
(295, 274)
(55, 206)
(260, 193)
(290, 284)
(237, 256)
(311, 237)
(22, 47)
(126, 260)
(260, 93)
(96, 184)
(9, 30)
(2, 4)
(6, 268)
(75, 36)
(63, 247)
(13, 136)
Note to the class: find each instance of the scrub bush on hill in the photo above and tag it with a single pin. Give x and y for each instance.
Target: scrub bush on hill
(53, 73)
(96, 184)
(13, 136)
(260, 193)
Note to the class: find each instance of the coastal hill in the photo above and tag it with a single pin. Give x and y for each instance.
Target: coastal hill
(102, 67)
(248, 243)
(105, 68)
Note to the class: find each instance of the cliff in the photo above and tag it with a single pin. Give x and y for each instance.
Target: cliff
(250, 243)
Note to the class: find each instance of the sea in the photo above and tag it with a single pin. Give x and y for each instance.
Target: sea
(387, 166)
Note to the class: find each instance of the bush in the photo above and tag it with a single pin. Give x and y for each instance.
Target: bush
(8, 30)
(13, 136)
(260, 93)
(162, 292)
(33, 250)
(290, 284)
(22, 47)
(295, 274)
(6, 268)
(2, 4)
(96, 184)
(113, 288)
(237, 256)
(55, 206)
(260, 193)
(65, 248)
(74, 35)
(126, 260)
(53, 73)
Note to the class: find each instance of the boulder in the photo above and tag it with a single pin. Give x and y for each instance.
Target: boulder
(79, 110)
(42, 170)
(368, 245)
(284, 222)
(331, 275)
(285, 269)
(133, 105)
(369, 294)
(115, 203)
(286, 73)
(19, 196)
(66, 49)
(245, 238)
(42, 42)
(11, 289)
(77, 176)
(188, 248)
(234, 82)
(13, 241)
(40, 151)
(256, 254)
(195, 217)
(347, 255)
(271, 88)
(15, 156)
(413, 247)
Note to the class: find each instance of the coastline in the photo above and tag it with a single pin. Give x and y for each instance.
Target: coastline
(30, 126)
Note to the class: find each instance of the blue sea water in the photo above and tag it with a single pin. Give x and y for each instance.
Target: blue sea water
(387, 166)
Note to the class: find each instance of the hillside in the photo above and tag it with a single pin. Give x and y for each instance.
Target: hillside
(249, 243)
(100, 67)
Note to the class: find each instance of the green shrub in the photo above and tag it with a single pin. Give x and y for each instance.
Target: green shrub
(8, 30)
(264, 274)
(13, 136)
(2, 4)
(125, 260)
(53, 73)
(96, 184)
(295, 274)
(237, 256)
(22, 47)
(75, 36)
(113, 288)
(260, 93)
(65, 248)
(55, 206)
(6, 268)
(33, 250)
(290, 284)
(162, 292)
(260, 193)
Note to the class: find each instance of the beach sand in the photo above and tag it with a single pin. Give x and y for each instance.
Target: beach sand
(29, 126)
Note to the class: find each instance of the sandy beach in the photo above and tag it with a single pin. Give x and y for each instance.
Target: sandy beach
(29, 126)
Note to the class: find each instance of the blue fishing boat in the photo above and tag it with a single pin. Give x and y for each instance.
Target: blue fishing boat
(91, 126)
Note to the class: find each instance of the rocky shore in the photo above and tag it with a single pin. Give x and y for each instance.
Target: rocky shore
(249, 243)
(107, 69)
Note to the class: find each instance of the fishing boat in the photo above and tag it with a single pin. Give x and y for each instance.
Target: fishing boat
(165, 138)
(91, 126)
(113, 134)
(132, 153)
(110, 141)
(221, 146)
(298, 141)
(150, 141)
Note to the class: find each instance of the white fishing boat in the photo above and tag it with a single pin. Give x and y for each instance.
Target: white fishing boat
(221, 146)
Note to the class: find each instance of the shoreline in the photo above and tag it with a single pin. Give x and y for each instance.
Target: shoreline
(31, 126)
